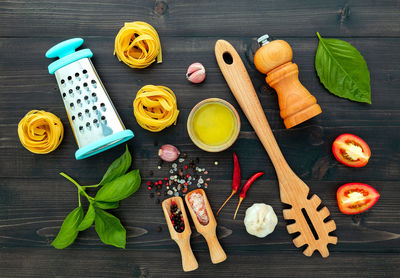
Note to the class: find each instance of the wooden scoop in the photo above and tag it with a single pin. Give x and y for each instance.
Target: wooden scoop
(293, 191)
(189, 261)
(208, 231)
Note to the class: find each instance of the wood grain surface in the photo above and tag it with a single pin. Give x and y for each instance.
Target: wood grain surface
(34, 199)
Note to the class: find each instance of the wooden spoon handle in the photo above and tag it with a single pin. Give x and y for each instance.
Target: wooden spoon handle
(239, 82)
(189, 262)
(217, 254)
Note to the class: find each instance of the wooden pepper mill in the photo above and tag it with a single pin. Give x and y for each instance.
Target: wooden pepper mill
(274, 58)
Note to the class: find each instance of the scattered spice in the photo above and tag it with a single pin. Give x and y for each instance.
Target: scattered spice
(181, 177)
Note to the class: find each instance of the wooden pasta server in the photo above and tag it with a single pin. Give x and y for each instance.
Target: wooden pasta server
(205, 223)
(293, 191)
(189, 261)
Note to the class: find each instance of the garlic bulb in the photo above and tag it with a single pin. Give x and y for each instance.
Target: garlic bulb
(260, 220)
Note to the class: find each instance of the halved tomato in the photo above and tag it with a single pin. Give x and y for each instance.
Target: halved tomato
(351, 150)
(354, 198)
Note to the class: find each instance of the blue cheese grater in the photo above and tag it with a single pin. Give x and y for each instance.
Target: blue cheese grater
(94, 120)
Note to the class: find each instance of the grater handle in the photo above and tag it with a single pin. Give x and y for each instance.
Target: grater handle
(64, 48)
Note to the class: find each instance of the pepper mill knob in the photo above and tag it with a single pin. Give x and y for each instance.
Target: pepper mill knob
(274, 58)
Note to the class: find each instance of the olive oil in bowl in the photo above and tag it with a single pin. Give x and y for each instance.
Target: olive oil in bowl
(213, 125)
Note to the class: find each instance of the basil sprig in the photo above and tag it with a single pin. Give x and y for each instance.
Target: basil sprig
(69, 229)
(116, 185)
(342, 70)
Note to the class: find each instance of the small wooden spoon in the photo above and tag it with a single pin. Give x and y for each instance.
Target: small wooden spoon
(189, 262)
(208, 231)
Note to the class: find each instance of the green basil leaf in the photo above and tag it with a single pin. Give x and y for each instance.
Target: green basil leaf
(118, 167)
(120, 188)
(109, 229)
(88, 219)
(342, 70)
(69, 229)
(106, 205)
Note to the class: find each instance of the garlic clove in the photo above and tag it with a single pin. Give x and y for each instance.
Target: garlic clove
(168, 153)
(196, 73)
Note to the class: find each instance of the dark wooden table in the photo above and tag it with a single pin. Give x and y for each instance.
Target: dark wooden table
(34, 199)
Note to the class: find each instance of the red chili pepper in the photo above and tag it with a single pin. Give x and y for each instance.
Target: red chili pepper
(235, 180)
(246, 187)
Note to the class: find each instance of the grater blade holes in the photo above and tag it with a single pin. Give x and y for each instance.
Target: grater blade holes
(73, 118)
(77, 76)
(80, 115)
(85, 74)
(81, 129)
(72, 106)
(103, 106)
(94, 96)
(62, 82)
(79, 102)
(64, 95)
(94, 83)
(103, 120)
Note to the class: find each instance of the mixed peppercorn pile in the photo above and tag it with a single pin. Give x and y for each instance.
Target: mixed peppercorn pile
(177, 218)
(183, 176)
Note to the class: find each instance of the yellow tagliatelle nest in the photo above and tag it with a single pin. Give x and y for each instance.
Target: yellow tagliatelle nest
(155, 107)
(40, 131)
(137, 45)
